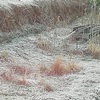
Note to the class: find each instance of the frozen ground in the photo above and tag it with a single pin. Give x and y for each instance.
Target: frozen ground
(82, 85)
(7, 3)
(27, 51)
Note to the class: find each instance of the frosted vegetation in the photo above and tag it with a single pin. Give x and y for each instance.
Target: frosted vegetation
(50, 50)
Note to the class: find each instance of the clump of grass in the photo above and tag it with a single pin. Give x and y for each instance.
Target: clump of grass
(16, 75)
(94, 50)
(42, 69)
(46, 86)
(4, 55)
(21, 81)
(21, 70)
(71, 66)
(6, 76)
(43, 44)
(58, 68)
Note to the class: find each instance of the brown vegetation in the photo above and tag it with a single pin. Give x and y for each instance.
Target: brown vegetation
(17, 16)
(94, 50)
(4, 56)
(12, 77)
(43, 44)
(21, 81)
(71, 67)
(42, 69)
(58, 69)
(44, 12)
(21, 70)
(46, 86)
(6, 76)
(17, 74)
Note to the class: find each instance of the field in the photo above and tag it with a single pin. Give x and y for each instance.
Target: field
(49, 52)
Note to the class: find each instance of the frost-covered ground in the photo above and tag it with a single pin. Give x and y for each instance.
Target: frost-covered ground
(82, 85)
(7, 3)
(27, 51)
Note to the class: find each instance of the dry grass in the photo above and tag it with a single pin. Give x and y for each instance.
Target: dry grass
(42, 69)
(17, 16)
(11, 77)
(4, 56)
(58, 68)
(21, 81)
(71, 66)
(18, 74)
(21, 70)
(94, 50)
(47, 87)
(43, 44)
(44, 12)
(7, 76)
(63, 8)
(47, 13)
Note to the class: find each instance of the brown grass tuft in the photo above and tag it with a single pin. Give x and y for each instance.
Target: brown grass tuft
(42, 69)
(21, 70)
(46, 86)
(4, 56)
(56, 68)
(94, 50)
(6, 76)
(43, 44)
(21, 81)
(71, 67)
